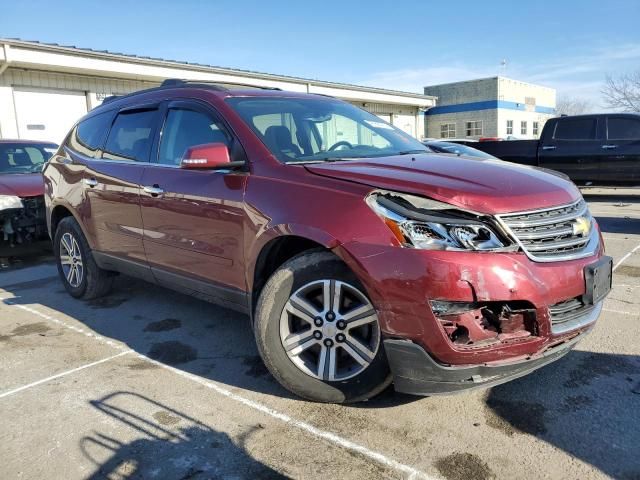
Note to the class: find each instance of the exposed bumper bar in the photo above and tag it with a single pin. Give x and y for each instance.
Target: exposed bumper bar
(590, 316)
(415, 372)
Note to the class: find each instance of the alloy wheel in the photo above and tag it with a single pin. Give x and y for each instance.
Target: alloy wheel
(329, 330)
(71, 260)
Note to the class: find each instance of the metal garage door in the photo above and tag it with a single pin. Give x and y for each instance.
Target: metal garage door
(406, 123)
(44, 114)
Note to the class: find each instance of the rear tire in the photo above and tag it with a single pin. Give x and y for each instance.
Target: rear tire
(79, 273)
(334, 351)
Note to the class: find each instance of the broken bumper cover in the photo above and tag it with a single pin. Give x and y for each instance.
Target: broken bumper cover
(24, 224)
(416, 372)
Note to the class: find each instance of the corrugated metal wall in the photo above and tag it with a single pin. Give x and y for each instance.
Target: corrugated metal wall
(406, 118)
(96, 88)
(385, 108)
(31, 78)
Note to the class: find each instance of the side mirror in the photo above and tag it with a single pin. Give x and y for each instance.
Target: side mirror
(208, 156)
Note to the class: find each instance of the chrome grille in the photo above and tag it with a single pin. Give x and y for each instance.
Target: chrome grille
(548, 235)
(568, 310)
(572, 314)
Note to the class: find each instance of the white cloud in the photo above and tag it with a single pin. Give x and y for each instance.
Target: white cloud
(415, 79)
(575, 75)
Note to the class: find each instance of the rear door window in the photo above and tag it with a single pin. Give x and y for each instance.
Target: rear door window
(623, 128)
(88, 136)
(185, 128)
(576, 129)
(131, 136)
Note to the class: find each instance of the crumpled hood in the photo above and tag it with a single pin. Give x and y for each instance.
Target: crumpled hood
(22, 185)
(485, 186)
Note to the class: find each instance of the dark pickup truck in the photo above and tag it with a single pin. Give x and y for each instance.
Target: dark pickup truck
(591, 149)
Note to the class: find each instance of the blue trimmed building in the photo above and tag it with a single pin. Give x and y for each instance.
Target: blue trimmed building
(489, 107)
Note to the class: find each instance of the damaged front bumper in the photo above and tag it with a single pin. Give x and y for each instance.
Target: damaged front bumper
(19, 226)
(416, 372)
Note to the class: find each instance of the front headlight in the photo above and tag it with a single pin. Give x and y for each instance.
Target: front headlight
(427, 224)
(10, 201)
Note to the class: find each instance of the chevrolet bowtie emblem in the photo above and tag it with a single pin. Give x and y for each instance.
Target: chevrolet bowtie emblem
(581, 226)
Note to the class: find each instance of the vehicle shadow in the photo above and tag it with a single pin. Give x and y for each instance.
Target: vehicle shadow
(197, 337)
(629, 226)
(23, 256)
(164, 444)
(586, 404)
(618, 199)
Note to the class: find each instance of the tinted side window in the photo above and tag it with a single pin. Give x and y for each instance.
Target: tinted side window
(89, 135)
(131, 136)
(620, 128)
(576, 129)
(186, 128)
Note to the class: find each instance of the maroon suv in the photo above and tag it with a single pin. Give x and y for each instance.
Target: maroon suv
(22, 213)
(362, 258)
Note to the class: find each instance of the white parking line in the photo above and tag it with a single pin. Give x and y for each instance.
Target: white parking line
(63, 374)
(622, 312)
(623, 259)
(412, 473)
(87, 333)
(331, 437)
(611, 237)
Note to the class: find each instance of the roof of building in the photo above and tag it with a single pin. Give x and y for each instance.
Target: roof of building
(495, 77)
(205, 67)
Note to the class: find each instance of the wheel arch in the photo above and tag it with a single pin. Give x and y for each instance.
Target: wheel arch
(61, 211)
(279, 245)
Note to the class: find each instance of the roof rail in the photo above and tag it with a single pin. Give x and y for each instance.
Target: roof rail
(110, 98)
(177, 82)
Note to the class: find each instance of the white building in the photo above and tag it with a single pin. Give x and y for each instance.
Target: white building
(489, 107)
(45, 88)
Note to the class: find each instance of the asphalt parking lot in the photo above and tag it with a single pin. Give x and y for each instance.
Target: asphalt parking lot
(148, 383)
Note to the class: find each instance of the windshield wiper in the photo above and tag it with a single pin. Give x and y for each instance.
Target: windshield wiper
(325, 159)
(412, 152)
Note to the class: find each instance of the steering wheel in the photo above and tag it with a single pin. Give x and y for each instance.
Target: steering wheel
(339, 144)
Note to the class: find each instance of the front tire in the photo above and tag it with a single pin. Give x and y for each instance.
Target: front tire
(318, 333)
(79, 273)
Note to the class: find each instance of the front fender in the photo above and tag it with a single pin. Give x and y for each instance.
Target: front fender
(273, 232)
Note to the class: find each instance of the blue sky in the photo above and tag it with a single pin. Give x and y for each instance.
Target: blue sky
(566, 44)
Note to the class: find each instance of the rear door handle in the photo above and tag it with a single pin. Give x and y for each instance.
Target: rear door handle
(609, 147)
(548, 147)
(91, 182)
(154, 191)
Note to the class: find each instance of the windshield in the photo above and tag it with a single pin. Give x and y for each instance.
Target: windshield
(321, 129)
(24, 157)
(457, 149)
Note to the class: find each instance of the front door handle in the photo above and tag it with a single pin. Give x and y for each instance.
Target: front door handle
(154, 191)
(90, 182)
(609, 147)
(548, 147)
